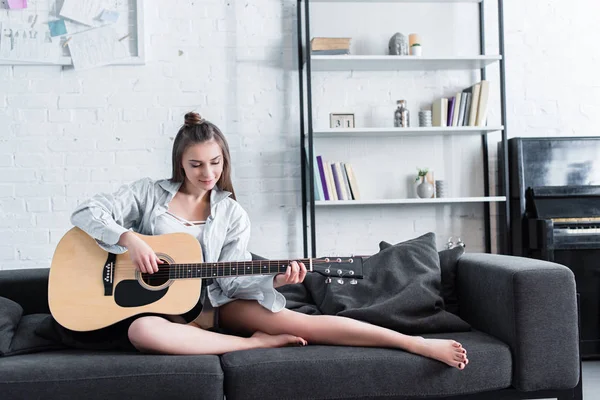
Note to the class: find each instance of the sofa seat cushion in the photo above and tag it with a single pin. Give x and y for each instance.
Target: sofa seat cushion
(334, 372)
(79, 374)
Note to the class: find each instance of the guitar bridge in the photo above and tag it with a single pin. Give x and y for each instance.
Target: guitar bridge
(108, 274)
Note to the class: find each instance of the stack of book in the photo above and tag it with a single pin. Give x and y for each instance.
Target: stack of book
(330, 46)
(467, 108)
(335, 181)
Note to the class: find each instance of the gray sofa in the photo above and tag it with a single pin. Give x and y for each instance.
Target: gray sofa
(524, 344)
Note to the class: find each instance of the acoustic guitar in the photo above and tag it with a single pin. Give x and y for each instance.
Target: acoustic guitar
(89, 288)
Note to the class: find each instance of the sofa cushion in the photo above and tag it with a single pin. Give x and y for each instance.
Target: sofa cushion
(448, 266)
(18, 332)
(10, 315)
(79, 374)
(400, 291)
(335, 372)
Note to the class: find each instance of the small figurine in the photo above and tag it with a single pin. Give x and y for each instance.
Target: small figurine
(398, 45)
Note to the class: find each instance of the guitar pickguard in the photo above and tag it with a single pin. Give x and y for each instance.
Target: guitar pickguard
(129, 293)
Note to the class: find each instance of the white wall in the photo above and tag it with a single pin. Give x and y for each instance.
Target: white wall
(65, 135)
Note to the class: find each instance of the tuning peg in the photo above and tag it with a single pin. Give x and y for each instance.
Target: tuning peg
(327, 281)
(340, 281)
(353, 282)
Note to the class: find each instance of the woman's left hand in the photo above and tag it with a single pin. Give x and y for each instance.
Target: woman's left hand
(295, 273)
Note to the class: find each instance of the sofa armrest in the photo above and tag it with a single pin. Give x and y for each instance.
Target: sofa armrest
(28, 287)
(529, 304)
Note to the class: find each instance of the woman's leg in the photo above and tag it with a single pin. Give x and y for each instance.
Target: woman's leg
(157, 335)
(249, 316)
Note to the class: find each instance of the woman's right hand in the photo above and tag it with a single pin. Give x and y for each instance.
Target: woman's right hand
(141, 254)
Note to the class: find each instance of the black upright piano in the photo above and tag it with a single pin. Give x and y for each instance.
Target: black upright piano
(555, 215)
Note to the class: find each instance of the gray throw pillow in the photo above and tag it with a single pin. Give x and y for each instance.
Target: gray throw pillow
(18, 332)
(400, 291)
(10, 315)
(448, 266)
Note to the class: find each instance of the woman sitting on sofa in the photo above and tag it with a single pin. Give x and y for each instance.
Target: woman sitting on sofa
(199, 199)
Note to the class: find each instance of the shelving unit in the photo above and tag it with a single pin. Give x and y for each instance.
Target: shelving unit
(445, 200)
(399, 63)
(314, 63)
(412, 131)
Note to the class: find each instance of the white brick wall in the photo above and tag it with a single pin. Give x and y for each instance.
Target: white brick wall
(65, 135)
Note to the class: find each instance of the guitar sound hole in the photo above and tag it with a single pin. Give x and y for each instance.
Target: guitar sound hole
(158, 278)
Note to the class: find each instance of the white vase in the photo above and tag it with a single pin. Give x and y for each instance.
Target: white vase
(425, 189)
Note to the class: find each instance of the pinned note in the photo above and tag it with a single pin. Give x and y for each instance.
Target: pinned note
(96, 47)
(21, 42)
(16, 4)
(85, 12)
(109, 16)
(57, 28)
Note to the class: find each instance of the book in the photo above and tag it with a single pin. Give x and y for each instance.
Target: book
(322, 179)
(465, 120)
(330, 181)
(451, 102)
(319, 192)
(326, 43)
(457, 100)
(439, 112)
(461, 113)
(346, 182)
(472, 110)
(337, 180)
(338, 52)
(340, 173)
(482, 110)
(352, 180)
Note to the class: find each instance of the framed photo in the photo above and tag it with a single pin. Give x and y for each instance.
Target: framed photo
(341, 120)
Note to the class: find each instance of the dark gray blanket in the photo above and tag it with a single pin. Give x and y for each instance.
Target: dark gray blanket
(400, 291)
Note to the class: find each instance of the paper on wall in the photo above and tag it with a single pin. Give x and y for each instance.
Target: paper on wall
(21, 42)
(109, 16)
(83, 11)
(16, 4)
(96, 47)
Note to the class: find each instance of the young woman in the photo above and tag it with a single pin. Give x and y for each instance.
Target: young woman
(199, 199)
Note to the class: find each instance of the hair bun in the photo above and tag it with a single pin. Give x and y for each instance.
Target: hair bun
(193, 118)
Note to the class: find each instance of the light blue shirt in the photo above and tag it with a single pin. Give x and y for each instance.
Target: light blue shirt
(137, 206)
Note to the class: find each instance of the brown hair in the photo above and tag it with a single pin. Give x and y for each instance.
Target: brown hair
(195, 130)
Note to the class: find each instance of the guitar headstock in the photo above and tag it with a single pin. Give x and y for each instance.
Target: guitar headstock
(339, 268)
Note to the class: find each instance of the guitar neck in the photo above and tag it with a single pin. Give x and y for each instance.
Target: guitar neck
(232, 268)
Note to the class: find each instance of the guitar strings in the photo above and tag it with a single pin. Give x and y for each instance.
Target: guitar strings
(166, 271)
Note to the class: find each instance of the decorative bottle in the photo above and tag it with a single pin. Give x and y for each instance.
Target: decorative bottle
(401, 115)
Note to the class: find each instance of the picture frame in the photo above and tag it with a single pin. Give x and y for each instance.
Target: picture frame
(343, 121)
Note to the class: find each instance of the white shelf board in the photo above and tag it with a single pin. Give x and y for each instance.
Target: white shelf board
(416, 131)
(442, 200)
(396, 1)
(399, 63)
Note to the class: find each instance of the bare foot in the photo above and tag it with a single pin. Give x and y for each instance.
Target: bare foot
(267, 341)
(447, 351)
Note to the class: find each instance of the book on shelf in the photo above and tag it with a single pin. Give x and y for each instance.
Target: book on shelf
(472, 110)
(451, 102)
(329, 43)
(352, 181)
(330, 182)
(482, 109)
(322, 178)
(439, 112)
(457, 100)
(338, 52)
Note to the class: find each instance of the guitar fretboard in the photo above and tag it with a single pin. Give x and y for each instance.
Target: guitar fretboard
(225, 269)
